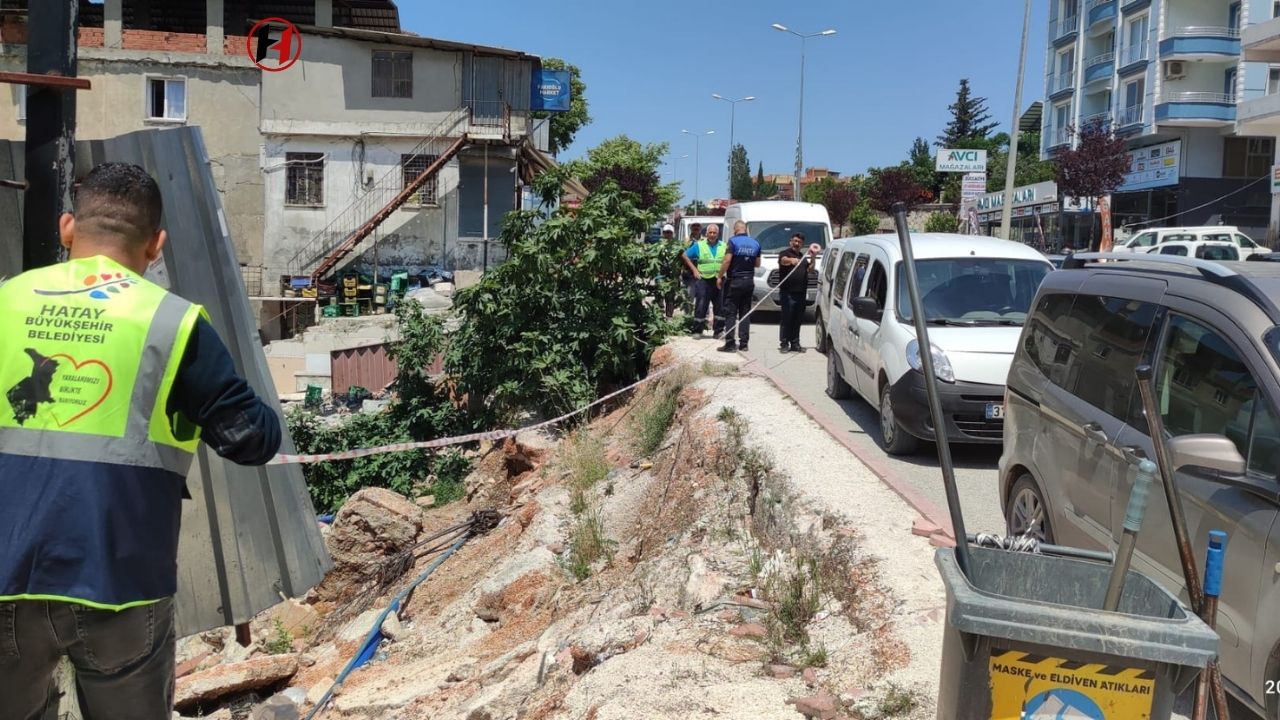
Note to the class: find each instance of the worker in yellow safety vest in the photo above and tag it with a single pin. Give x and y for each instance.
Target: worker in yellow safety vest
(703, 259)
(107, 385)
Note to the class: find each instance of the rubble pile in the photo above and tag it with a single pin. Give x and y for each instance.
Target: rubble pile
(651, 592)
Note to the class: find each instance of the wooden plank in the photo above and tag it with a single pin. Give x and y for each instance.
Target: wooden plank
(44, 80)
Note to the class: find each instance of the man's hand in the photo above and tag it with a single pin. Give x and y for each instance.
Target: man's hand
(719, 282)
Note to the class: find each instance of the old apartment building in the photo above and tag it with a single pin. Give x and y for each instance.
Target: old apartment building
(311, 161)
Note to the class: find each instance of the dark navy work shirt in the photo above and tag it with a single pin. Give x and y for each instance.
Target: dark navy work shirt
(744, 250)
(235, 422)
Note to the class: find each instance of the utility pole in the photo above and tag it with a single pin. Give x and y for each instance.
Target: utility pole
(485, 234)
(800, 126)
(1006, 210)
(51, 128)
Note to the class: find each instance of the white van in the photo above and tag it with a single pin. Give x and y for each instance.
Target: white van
(977, 292)
(772, 223)
(1146, 240)
(682, 231)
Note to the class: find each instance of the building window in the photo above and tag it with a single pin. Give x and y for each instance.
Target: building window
(1136, 31)
(1247, 157)
(1135, 93)
(304, 179)
(1229, 83)
(1061, 134)
(166, 99)
(1273, 81)
(411, 167)
(392, 74)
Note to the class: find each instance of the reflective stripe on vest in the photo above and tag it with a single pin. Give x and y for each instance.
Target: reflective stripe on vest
(709, 259)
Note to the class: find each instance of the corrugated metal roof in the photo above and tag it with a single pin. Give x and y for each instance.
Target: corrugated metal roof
(249, 534)
(400, 38)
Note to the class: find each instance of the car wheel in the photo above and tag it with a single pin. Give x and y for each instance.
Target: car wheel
(897, 441)
(837, 388)
(820, 334)
(1026, 512)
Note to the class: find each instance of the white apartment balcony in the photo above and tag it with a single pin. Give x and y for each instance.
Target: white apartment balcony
(1059, 137)
(1133, 115)
(1103, 117)
(1259, 116)
(1099, 69)
(1196, 109)
(1261, 42)
(1064, 28)
(1062, 84)
(1200, 42)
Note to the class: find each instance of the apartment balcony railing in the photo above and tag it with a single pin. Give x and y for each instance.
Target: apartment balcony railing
(1099, 67)
(1135, 54)
(1130, 116)
(1201, 41)
(1062, 83)
(1214, 31)
(1097, 3)
(1099, 11)
(1063, 27)
(1199, 97)
(1103, 117)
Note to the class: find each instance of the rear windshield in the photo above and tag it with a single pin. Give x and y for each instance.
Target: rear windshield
(974, 291)
(775, 236)
(1217, 252)
(1179, 237)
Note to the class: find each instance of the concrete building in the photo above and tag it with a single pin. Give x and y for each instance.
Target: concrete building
(1169, 76)
(392, 104)
(1260, 114)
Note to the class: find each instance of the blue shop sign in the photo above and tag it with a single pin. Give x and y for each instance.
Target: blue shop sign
(551, 90)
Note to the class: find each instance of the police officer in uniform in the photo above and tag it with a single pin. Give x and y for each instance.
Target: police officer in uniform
(107, 385)
(737, 279)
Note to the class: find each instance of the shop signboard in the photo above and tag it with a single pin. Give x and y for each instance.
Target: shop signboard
(961, 160)
(972, 186)
(551, 90)
(1152, 167)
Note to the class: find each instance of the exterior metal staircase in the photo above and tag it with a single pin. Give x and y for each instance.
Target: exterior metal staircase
(356, 222)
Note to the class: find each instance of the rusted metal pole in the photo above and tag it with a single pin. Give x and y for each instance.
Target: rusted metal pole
(52, 28)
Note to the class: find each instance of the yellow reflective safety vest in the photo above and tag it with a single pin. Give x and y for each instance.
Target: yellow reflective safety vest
(92, 467)
(709, 258)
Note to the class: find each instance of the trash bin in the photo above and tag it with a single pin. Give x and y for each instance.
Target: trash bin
(1026, 638)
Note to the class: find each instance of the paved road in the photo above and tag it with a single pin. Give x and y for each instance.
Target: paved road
(975, 466)
(806, 374)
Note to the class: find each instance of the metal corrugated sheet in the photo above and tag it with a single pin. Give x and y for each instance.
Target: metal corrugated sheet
(11, 164)
(249, 534)
(369, 367)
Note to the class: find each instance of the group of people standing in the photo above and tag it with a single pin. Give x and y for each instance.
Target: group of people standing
(720, 275)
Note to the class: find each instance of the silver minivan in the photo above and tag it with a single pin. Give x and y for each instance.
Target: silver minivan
(1074, 430)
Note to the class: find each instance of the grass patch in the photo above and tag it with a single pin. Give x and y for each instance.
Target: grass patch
(898, 701)
(814, 657)
(281, 641)
(657, 412)
(795, 593)
(718, 369)
(588, 545)
(587, 462)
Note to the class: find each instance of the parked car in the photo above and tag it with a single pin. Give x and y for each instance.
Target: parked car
(1074, 430)
(1203, 249)
(976, 292)
(1056, 260)
(772, 223)
(1147, 239)
(682, 229)
(1265, 257)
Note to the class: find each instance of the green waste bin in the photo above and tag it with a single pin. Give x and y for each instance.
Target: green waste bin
(313, 397)
(1027, 638)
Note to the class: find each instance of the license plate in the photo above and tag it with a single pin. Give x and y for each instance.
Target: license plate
(995, 411)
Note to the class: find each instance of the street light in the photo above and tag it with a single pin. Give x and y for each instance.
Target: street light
(675, 166)
(800, 126)
(733, 106)
(697, 159)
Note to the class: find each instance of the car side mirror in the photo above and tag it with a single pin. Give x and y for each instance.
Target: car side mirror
(1212, 452)
(866, 308)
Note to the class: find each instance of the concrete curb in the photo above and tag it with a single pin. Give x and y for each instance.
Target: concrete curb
(890, 477)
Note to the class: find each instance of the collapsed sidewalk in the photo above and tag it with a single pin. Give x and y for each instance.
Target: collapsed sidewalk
(703, 549)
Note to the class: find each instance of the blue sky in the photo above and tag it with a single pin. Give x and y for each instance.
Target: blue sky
(651, 67)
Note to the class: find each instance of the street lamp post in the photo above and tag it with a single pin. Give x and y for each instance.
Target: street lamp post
(733, 108)
(675, 166)
(800, 124)
(697, 159)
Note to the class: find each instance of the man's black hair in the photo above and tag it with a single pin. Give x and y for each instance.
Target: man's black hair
(799, 235)
(118, 201)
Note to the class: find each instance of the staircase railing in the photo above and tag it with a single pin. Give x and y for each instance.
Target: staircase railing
(351, 218)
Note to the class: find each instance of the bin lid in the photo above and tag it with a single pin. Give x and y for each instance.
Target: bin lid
(1057, 601)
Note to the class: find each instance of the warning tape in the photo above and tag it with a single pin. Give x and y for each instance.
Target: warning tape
(284, 459)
